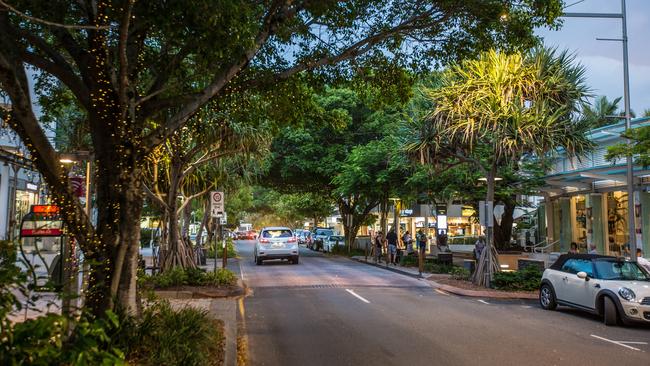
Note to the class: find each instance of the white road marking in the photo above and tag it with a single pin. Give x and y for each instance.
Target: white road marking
(527, 307)
(620, 343)
(483, 302)
(357, 296)
(442, 292)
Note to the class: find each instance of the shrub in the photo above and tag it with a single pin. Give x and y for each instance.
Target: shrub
(527, 279)
(438, 268)
(460, 273)
(343, 250)
(409, 261)
(188, 276)
(165, 336)
(230, 245)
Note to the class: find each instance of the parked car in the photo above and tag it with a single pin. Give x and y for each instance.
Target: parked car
(319, 236)
(276, 243)
(305, 238)
(333, 241)
(614, 288)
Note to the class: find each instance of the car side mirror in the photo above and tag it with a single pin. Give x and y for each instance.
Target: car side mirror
(583, 275)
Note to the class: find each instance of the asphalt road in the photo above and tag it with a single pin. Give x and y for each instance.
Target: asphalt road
(333, 311)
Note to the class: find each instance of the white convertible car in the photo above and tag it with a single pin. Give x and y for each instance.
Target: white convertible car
(615, 288)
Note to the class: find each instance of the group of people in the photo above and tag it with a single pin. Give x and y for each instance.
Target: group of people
(390, 242)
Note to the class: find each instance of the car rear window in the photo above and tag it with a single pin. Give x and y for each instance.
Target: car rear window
(281, 233)
(324, 232)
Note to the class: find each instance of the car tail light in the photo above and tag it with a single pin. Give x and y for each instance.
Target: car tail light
(264, 240)
(291, 240)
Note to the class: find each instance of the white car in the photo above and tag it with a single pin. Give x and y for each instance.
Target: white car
(615, 288)
(332, 241)
(276, 243)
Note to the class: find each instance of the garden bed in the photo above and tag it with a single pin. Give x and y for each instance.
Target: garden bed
(199, 292)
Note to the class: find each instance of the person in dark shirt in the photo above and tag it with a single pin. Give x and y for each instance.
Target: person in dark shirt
(391, 238)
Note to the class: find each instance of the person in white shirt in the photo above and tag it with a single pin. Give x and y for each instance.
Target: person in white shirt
(642, 261)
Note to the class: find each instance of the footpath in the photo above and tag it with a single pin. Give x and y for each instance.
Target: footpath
(432, 277)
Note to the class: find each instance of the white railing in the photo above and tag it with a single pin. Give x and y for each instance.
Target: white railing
(540, 248)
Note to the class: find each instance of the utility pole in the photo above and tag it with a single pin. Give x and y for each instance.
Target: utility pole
(628, 124)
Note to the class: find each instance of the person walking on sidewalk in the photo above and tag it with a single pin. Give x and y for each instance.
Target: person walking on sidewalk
(421, 238)
(391, 237)
(379, 243)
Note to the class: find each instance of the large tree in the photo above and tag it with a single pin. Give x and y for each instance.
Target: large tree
(141, 69)
(492, 111)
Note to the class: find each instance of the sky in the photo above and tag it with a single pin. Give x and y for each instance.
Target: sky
(603, 60)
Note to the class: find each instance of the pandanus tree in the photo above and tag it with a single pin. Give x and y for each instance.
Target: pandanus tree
(186, 167)
(491, 111)
(141, 69)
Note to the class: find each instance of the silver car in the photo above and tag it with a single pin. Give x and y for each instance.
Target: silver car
(276, 243)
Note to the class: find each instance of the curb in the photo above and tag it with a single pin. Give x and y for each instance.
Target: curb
(456, 290)
(392, 269)
(483, 294)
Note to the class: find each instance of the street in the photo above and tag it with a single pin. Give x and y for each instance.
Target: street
(332, 311)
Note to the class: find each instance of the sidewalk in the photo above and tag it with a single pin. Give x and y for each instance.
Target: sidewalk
(414, 272)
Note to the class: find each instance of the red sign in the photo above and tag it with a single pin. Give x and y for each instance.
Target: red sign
(46, 209)
(41, 232)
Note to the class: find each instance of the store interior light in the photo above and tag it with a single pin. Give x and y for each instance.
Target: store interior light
(66, 161)
(485, 179)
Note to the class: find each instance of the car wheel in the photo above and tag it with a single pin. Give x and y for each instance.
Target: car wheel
(609, 311)
(258, 261)
(547, 297)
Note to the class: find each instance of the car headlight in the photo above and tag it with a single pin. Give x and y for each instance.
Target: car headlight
(627, 294)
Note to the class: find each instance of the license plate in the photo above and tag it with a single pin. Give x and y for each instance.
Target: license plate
(277, 245)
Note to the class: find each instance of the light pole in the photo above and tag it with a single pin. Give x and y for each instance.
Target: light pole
(626, 97)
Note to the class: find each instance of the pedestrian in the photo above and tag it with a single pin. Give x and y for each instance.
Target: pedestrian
(592, 249)
(478, 247)
(573, 249)
(642, 261)
(391, 237)
(408, 242)
(421, 238)
(379, 242)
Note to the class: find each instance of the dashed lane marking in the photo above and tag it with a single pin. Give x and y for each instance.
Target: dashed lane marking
(620, 343)
(357, 296)
(483, 302)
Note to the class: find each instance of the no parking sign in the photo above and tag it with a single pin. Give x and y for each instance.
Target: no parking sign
(216, 203)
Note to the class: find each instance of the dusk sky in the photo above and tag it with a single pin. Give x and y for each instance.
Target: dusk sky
(604, 59)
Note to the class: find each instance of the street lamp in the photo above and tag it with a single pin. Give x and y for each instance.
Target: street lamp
(626, 97)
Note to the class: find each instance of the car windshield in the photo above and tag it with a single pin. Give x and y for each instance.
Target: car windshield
(280, 233)
(324, 232)
(619, 270)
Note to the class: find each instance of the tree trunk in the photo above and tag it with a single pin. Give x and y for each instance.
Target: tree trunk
(488, 263)
(204, 223)
(503, 231)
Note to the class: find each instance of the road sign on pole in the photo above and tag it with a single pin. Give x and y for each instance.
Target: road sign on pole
(216, 204)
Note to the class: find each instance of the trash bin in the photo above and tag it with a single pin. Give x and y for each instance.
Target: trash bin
(470, 265)
(446, 258)
(204, 255)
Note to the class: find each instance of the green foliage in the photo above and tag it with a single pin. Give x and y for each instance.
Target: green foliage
(43, 341)
(409, 261)
(438, 268)
(460, 273)
(188, 277)
(640, 147)
(164, 336)
(598, 114)
(527, 279)
(230, 248)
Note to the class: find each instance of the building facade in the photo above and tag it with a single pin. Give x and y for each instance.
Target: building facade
(585, 199)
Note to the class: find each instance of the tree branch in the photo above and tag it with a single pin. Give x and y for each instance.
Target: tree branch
(190, 198)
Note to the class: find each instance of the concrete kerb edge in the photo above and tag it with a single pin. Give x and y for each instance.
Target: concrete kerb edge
(455, 290)
(392, 269)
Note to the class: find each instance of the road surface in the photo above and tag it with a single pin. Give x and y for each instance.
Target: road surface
(333, 311)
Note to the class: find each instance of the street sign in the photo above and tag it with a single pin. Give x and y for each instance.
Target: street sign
(486, 213)
(216, 204)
